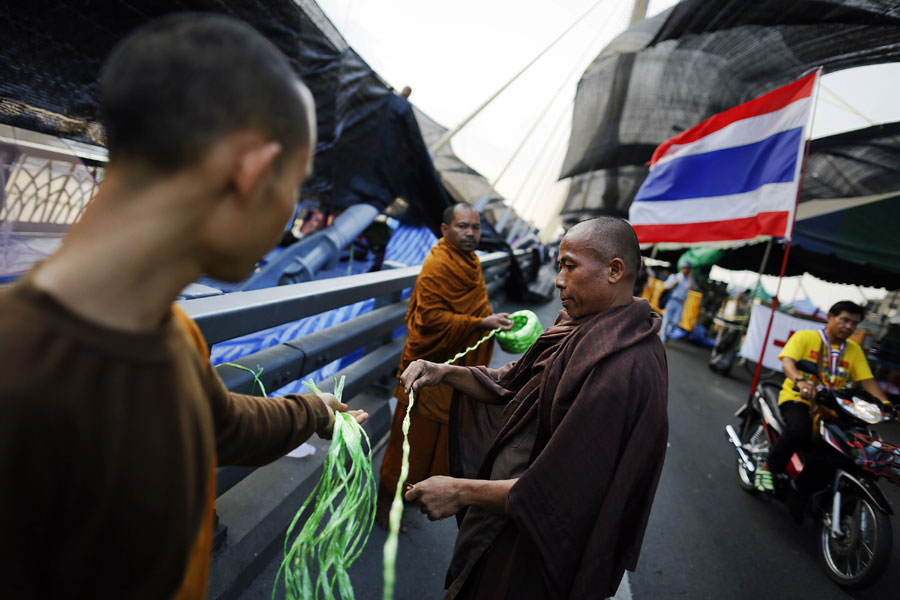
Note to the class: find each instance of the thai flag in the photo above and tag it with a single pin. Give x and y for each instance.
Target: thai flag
(735, 176)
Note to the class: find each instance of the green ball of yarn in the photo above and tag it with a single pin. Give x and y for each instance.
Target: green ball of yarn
(525, 330)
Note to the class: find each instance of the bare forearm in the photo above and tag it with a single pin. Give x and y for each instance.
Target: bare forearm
(462, 379)
(489, 495)
(790, 369)
(871, 386)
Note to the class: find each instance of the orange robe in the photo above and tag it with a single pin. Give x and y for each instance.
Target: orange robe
(448, 302)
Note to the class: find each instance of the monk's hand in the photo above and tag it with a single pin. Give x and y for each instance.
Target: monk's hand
(334, 405)
(438, 497)
(499, 321)
(421, 373)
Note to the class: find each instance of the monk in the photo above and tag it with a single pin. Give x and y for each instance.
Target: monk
(112, 421)
(556, 458)
(448, 312)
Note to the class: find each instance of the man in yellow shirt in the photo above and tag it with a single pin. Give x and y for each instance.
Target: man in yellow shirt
(839, 359)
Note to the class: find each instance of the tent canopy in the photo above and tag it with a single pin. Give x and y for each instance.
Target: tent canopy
(369, 147)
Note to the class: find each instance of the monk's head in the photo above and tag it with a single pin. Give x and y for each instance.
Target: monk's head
(206, 109)
(462, 227)
(598, 262)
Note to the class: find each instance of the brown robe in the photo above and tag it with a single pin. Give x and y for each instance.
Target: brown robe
(108, 446)
(582, 424)
(445, 311)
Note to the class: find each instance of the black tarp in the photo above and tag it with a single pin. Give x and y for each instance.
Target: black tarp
(670, 72)
(370, 148)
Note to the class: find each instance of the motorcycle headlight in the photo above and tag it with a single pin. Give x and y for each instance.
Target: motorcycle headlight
(863, 410)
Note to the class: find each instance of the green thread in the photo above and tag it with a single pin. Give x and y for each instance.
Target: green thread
(525, 331)
(348, 525)
(390, 546)
(336, 545)
(256, 374)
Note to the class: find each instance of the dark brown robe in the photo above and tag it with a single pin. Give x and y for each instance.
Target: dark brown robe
(582, 424)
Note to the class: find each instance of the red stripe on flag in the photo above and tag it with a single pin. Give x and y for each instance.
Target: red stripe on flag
(765, 223)
(767, 103)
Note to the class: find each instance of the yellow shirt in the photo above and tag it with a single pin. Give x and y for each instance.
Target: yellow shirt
(806, 345)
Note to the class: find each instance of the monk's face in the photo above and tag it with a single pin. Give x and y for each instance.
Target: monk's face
(465, 230)
(585, 281)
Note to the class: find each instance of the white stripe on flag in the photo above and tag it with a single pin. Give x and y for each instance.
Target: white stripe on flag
(745, 131)
(772, 197)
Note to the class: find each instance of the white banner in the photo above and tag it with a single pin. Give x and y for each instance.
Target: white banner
(783, 326)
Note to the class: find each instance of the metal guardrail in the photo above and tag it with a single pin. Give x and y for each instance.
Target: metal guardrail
(228, 316)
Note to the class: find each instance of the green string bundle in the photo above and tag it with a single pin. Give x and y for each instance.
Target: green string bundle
(347, 524)
(390, 546)
(525, 331)
(346, 531)
(256, 374)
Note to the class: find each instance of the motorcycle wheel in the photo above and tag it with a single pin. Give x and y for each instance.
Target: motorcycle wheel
(753, 437)
(857, 559)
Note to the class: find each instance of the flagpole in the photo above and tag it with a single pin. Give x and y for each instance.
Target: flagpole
(787, 248)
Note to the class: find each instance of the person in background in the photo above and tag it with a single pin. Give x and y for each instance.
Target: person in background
(678, 285)
(449, 311)
(839, 361)
(112, 420)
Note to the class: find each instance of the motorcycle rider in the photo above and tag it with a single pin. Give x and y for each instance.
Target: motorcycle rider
(839, 359)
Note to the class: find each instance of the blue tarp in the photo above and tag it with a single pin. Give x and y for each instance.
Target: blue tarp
(408, 246)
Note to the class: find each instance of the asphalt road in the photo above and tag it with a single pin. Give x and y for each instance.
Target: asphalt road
(706, 538)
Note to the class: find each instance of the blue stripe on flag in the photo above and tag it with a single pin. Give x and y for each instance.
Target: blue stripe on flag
(725, 172)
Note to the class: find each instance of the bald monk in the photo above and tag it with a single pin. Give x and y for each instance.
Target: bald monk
(448, 312)
(556, 457)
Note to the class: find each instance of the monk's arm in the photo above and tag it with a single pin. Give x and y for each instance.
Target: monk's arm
(423, 373)
(441, 497)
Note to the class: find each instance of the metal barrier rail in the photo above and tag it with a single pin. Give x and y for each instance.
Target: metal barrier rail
(228, 316)
(231, 315)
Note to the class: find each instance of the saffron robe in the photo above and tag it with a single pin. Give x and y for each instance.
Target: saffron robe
(582, 424)
(448, 302)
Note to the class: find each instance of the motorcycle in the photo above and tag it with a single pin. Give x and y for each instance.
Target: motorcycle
(842, 467)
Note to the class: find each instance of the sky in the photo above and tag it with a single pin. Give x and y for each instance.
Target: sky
(455, 55)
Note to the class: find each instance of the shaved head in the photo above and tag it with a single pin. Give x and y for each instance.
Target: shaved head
(610, 237)
(456, 210)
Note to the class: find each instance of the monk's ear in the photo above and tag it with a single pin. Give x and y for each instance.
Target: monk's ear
(616, 270)
(444, 229)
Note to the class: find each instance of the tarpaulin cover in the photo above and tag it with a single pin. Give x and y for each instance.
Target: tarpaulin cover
(370, 148)
(670, 72)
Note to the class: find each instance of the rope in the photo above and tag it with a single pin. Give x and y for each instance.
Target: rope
(390, 546)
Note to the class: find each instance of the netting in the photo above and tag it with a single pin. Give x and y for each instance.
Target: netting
(369, 147)
(876, 456)
(668, 73)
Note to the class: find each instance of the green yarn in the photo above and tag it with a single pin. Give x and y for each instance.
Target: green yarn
(256, 374)
(390, 546)
(525, 331)
(335, 546)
